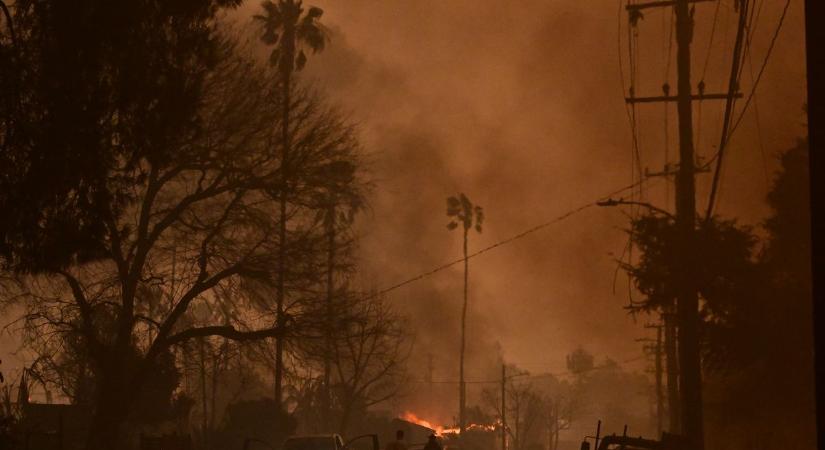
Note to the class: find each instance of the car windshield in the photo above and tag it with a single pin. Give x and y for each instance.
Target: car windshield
(310, 443)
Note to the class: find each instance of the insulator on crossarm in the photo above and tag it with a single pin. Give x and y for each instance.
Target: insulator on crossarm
(666, 89)
(702, 87)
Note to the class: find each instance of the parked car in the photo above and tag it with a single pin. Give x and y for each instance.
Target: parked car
(317, 442)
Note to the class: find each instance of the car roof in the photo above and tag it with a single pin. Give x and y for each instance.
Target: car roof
(313, 436)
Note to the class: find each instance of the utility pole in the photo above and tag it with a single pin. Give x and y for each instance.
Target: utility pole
(687, 303)
(657, 352)
(669, 319)
(503, 407)
(690, 383)
(672, 369)
(430, 368)
(653, 349)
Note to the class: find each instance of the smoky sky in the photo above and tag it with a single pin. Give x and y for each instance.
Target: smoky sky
(520, 105)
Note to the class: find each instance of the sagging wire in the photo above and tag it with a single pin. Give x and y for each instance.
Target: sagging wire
(705, 70)
(506, 241)
(752, 93)
(666, 90)
(634, 17)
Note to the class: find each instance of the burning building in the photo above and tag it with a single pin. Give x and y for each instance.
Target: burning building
(477, 436)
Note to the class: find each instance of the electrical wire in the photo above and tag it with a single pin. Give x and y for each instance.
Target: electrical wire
(751, 95)
(730, 104)
(764, 65)
(538, 375)
(499, 243)
(759, 128)
(666, 106)
(710, 41)
(719, 176)
(705, 68)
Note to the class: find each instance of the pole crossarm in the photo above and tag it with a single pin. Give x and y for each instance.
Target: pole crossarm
(659, 4)
(674, 170)
(673, 98)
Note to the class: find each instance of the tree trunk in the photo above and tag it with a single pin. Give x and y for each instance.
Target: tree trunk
(279, 343)
(105, 431)
(345, 417)
(327, 397)
(462, 395)
(112, 403)
(204, 406)
(556, 436)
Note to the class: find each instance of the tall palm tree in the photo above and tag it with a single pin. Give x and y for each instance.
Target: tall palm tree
(9, 22)
(289, 31)
(463, 212)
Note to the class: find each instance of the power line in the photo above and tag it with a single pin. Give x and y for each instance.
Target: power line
(500, 243)
(750, 96)
(764, 65)
(759, 125)
(710, 41)
(539, 375)
(756, 83)
(735, 76)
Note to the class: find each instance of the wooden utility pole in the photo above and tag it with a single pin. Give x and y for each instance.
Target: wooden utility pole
(660, 401)
(690, 387)
(672, 370)
(503, 407)
(653, 348)
(687, 303)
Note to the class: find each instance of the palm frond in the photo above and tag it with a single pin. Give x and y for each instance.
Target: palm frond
(312, 34)
(453, 206)
(270, 37)
(300, 60)
(314, 13)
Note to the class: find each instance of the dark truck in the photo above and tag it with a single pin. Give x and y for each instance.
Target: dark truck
(624, 442)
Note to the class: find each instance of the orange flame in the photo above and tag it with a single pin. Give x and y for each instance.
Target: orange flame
(411, 417)
(440, 430)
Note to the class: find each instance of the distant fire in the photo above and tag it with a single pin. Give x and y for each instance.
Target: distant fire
(411, 417)
(440, 430)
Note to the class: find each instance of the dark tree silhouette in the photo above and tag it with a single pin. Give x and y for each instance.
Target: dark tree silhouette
(92, 87)
(727, 279)
(756, 330)
(194, 223)
(774, 328)
(288, 30)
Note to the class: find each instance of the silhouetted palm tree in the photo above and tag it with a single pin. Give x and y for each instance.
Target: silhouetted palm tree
(288, 30)
(9, 22)
(463, 212)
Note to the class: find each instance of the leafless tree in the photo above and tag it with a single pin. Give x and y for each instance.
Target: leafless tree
(534, 409)
(370, 347)
(195, 231)
(558, 417)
